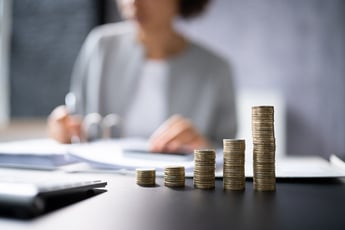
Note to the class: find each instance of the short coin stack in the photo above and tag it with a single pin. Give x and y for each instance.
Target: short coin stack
(263, 148)
(204, 168)
(146, 177)
(174, 176)
(233, 164)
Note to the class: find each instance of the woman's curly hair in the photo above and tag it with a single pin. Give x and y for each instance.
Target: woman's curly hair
(191, 8)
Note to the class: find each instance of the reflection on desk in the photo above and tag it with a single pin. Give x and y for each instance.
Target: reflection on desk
(296, 204)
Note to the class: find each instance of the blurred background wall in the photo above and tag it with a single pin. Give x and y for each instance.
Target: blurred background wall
(46, 38)
(295, 47)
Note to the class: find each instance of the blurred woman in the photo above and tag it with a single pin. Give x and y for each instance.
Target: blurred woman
(163, 86)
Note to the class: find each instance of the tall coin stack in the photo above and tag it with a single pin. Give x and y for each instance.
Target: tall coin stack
(263, 148)
(174, 176)
(233, 164)
(146, 177)
(204, 168)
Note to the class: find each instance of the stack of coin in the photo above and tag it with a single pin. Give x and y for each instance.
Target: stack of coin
(174, 176)
(146, 177)
(233, 164)
(204, 168)
(263, 148)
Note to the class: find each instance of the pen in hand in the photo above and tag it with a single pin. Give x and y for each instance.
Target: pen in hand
(70, 102)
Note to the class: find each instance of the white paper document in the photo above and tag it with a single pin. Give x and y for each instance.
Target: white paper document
(38, 153)
(129, 154)
(302, 167)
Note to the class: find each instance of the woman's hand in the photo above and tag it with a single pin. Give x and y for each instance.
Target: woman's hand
(177, 134)
(64, 127)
